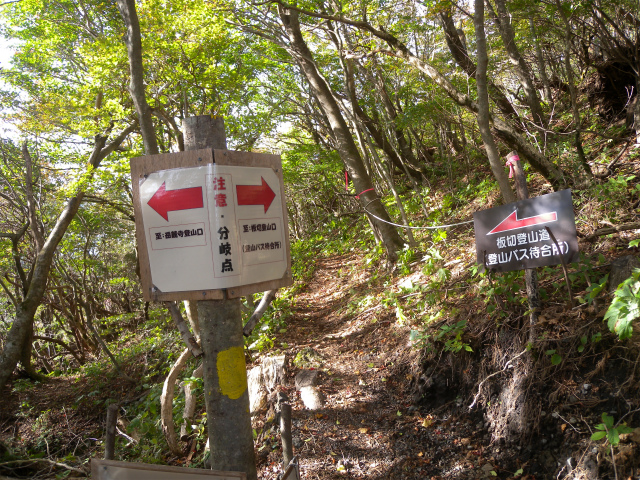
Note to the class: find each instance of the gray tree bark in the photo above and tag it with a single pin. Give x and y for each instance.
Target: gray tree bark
(520, 66)
(460, 54)
(225, 387)
(542, 64)
(166, 402)
(344, 140)
(483, 106)
(577, 139)
(133, 41)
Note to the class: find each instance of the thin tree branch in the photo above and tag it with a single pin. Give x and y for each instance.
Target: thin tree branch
(187, 337)
(8, 292)
(61, 343)
(116, 206)
(267, 298)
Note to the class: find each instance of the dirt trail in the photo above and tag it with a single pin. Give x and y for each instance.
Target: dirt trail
(369, 427)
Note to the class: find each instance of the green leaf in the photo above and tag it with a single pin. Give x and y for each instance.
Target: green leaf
(598, 436)
(624, 429)
(607, 420)
(613, 437)
(556, 359)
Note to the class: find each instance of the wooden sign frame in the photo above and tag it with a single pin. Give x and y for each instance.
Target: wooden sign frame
(144, 471)
(143, 166)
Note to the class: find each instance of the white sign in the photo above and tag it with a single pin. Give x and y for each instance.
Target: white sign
(213, 227)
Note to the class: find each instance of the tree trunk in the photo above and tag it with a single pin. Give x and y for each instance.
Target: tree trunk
(389, 179)
(520, 66)
(133, 41)
(636, 114)
(542, 70)
(483, 106)
(459, 52)
(226, 394)
(574, 96)
(374, 129)
(392, 113)
(344, 140)
(26, 310)
(504, 129)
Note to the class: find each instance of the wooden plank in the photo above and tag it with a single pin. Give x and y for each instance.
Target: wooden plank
(111, 470)
(143, 166)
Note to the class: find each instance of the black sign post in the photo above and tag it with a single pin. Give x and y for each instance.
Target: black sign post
(515, 236)
(527, 234)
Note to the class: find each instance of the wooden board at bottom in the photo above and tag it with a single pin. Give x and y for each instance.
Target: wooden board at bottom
(113, 470)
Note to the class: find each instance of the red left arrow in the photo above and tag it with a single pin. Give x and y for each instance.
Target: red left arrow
(255, 195)
(165, 201)
(513, 223)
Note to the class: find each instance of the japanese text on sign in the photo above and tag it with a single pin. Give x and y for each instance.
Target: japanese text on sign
(515, 236)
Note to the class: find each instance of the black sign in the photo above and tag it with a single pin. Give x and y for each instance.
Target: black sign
(515, 236)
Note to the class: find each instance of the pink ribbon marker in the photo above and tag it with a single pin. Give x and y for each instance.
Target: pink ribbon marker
(511, 163)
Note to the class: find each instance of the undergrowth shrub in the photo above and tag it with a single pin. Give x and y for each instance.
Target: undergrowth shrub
(625, 307)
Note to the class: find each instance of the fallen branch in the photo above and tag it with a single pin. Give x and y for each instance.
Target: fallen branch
(609, 230)
(506, 367)
(609, 167)
(44, 460)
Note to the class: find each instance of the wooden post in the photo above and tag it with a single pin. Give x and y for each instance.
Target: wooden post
(285, 429)
(530, 274)
(110, 435)
(224, 371)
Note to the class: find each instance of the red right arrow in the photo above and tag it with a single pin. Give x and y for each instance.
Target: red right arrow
(255, 195)
(512, 222)
(164, 201)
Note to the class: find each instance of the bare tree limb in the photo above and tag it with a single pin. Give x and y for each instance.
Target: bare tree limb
(126, 212)
(44, 460)
(267, 298)
(608, 230)
(166, 401)
(133, 41)
(183, 328)
(61, 343)
(8, 292)
(38, 235)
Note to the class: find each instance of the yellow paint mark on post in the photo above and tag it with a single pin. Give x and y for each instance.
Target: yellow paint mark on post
(232, 372)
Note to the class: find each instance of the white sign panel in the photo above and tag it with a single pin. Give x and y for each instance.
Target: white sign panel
(213, 227)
